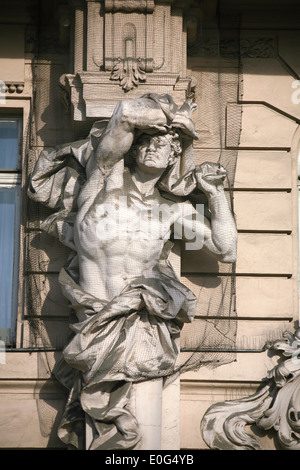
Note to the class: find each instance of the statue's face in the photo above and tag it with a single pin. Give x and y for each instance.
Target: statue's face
(153, 152)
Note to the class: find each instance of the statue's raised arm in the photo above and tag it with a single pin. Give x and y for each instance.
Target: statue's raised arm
(150, 114)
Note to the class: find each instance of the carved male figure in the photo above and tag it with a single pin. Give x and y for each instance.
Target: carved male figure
(107, 266)
(128, 302)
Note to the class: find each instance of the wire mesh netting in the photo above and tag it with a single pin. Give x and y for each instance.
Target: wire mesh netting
(215, 55)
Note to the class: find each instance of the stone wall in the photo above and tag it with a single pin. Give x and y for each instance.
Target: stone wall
(251, 85)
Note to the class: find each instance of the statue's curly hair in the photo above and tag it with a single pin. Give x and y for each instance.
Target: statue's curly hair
(172, 136)
(175, 142)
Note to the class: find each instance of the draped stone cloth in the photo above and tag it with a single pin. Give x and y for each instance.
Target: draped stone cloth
(128, 339)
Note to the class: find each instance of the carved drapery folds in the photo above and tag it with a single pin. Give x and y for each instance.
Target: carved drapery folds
(275, 406)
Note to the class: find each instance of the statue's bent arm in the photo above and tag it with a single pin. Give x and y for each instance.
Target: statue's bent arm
(219, 234)
(142, 114)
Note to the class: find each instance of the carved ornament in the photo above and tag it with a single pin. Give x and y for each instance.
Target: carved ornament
(130, 5)
(11, 88)
(124, 50)
(129, 72)
(259, 48)
(275, 406)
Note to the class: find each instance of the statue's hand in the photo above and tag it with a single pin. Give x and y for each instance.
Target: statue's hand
(183, 119)
(143, 114)
(210, 177)
(186, 125)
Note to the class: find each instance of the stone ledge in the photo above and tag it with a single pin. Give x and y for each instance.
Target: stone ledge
(31, 389)
(28, 365)
(91, 92)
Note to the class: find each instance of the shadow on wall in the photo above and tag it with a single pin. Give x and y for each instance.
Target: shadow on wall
(50, 400)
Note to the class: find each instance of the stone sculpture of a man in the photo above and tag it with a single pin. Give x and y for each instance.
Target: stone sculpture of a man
(129, 304)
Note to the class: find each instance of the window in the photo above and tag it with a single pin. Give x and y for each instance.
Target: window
(10, 179)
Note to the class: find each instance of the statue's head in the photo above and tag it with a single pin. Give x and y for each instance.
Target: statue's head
(156, 152)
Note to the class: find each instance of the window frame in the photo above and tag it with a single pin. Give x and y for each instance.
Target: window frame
(12, 178)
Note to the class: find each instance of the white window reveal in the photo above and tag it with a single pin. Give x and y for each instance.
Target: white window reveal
(10, 187)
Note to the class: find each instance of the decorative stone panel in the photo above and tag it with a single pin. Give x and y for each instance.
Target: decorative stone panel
(130, 48)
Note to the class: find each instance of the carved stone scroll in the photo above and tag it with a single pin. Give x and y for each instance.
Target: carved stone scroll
(275, 406)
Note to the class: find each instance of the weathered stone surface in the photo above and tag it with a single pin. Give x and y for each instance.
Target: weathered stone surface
(265, 254)
(259, 297)
(215, 87)
(257, 210)
(261, 127)
(263, 170)
(12, 62)
(251, 334)
(29, 412)
(45, 333)
(256, 297)
(262, 164)
(268, 81)
(28, 365)
(248, 367)
(44, 253)
(44, 296)
(258, 253)
(288, 49)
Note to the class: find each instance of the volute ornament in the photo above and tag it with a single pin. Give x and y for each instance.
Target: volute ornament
(275, 406)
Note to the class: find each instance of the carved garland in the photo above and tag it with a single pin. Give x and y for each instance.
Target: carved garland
(274, 406)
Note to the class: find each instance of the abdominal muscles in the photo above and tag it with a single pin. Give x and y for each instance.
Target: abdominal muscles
(113, 251)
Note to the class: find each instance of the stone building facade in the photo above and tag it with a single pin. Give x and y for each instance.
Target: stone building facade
(64, 65)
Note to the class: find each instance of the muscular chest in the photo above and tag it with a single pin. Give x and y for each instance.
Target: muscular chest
(124, 218)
